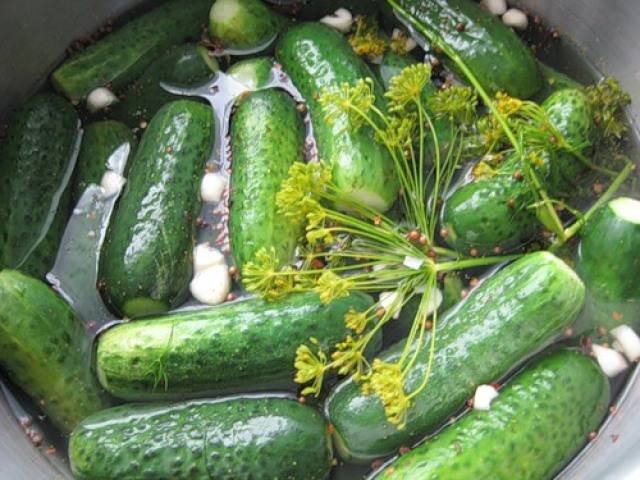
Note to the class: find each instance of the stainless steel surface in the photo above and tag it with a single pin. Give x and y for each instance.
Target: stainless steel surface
(36, 32)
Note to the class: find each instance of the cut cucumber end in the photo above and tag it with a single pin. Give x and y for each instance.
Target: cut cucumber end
(627, 209)
(138, 307)
(224, 11)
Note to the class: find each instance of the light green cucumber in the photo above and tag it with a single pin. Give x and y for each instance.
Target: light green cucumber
(317, 57)
(233, 438)
(236, 347)
(37, 158)
(267, 138)
(146, 260)
(511, 315)
(122, 56)
(253, 73)
(46, 352)
(539, 421)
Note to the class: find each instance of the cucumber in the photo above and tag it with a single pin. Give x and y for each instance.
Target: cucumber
(609, 264)
(267, 138)
(46, 352)
(317, 57)
(508, 317)
(123, 55)
(36, 161)
(492, 213)
(244, 24)
(553, 81)
(225, 349)
(145, 263)
(234, 438)
(493, 53)
(391, 64)
(101, 140)
(535, 426)
(253, 73)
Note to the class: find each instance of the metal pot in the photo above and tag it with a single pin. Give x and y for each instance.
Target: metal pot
(35, 34)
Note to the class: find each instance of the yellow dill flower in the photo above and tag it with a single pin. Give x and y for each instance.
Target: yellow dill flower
(399, 132)
(349, 358)
(316, 235)
(482, 170)
(399, 42)
(507, 105)
(348, 101)
(266, 278)
(457, 103)
(310, 367)
(356, 321)
(300, 193)
(331, 286)
(387, 382)
(366, 41)
(407, 86)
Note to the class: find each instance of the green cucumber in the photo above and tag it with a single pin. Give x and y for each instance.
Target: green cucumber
(242, 346)
(391, 64)
(316, 57)
(609, 263)
(253, 73)
(233, 438)
(145, 263)
(267, 138)
(123, 55)
(553, 81)
(183, 66)
(101, 140)
(36, 162)
(492, 52)
(511, 315)
(491, 213)
(46, 352)
(539, 421)
(244, 24)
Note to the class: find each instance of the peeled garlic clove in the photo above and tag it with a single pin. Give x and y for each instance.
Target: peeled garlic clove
(100, 98)
(611, 362)
(112, 183)
(205, 256)
(212, 187)
(211, 286)
(483, 397)
(341, 20)
(628, 341)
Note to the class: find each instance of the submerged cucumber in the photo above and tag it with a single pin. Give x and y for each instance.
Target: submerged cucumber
(36, 161)
(123, 55)
(493, 53)
(244, 24)
(491, 213)
(253, 73)
(46, 352)
(183, 66)
(100, 142)
(609, 263)
(535, 426)
(145, 263)
(317, 57)
(509, 316)
(553, 81)
(242, 346)
(234, 438)
(267, 138)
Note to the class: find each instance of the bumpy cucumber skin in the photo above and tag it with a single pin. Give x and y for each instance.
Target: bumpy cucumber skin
(491, 214)
(234, 438)
(181, 66)
(252, 24)
(495, 55)
(123, 55)
(99, 142)
(609, 263)
(509, 316)
(242, 346)
(46, 352)
(254, 73)
(317, 57)
(35, 158)
(267, 138)
(145, 263)
(535, 426)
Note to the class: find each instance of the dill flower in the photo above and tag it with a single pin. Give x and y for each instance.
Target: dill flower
(456, 103)
(331, 286)
(366, 41)
(352, 101)
(310, 367)
(300, 193)
(356, 321)
(348, 357)
(266, 278)
(407, 86)
(386, 381)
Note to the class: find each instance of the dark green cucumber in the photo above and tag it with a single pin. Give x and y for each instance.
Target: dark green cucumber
(145, 263)
(123, 55)
(183, 66)
(553, 81)
(36, 160)
(508, 317)
(317, 57)
(609, 263)
(233, 438)
(539, 421)
(101, 140)
(493, 53)
(491, 213)
(253, 73)
(244, 24)
(267, 138)
(46, 352)
(243, 346)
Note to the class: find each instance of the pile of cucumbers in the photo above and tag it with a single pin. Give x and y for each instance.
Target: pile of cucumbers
(208, 392)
